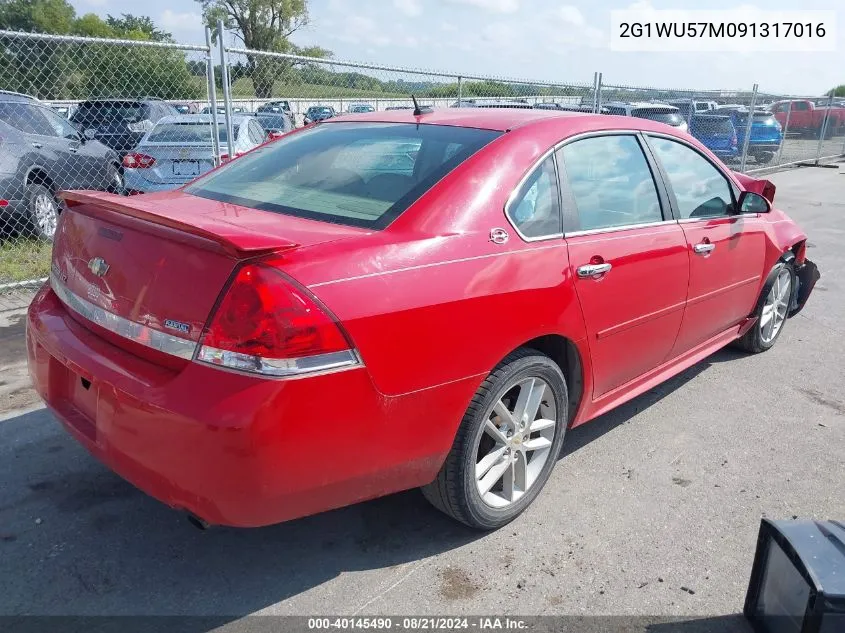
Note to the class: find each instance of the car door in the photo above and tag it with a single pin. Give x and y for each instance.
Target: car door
(726, 250)
(86, 165)
(52, 153)
(628, 255)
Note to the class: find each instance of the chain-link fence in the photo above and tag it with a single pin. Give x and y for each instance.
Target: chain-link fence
(133, 117)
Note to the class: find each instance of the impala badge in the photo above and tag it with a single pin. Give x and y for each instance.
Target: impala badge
(98, 266)
(177, 325)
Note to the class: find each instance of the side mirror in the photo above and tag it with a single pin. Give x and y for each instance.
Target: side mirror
(90, 134)
(750, 202)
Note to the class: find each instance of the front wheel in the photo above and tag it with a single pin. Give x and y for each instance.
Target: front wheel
(771, 312)
(116, 183)
(507, 443)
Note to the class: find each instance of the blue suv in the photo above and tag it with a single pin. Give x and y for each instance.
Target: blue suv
(766, 133)
(717, 133)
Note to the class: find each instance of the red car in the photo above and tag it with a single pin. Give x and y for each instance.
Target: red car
(389, 300)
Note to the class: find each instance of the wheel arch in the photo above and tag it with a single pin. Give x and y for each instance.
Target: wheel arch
(564, 352)
(39, 175)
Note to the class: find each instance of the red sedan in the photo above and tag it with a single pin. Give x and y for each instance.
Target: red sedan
(391, 300)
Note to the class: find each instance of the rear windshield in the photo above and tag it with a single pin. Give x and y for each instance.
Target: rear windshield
(759, 117)
(195, 133)
(661, 116)
(128, 111)
(324, 109)
(360, 174)
(713, 125)
(273, 122)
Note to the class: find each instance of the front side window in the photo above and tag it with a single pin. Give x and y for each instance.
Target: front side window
(535, 209)
(800, 105)
(611, 182)
(359, 174)
(700, 189)
(61, 126)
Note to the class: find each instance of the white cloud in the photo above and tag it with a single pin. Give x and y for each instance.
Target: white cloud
(97, 3)
(448, 26)
(411, 8)
(571, 15)
(494, 6)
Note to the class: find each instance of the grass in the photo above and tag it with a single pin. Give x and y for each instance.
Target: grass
(23, 259)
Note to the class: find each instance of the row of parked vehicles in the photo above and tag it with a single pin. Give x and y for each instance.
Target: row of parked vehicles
(143, 145)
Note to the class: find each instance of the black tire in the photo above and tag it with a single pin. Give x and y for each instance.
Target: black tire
(114, 179)
(454, 491)
(753, 340)
(42, 223)
(764, 157)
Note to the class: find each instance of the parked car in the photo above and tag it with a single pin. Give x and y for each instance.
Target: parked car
(275, 107)
(275, 124)
(806, 117)
(441, 330)
(319, 113)
(186, 108)
(9, 95)
(221, 110)
(766, 133)
(120, 123)
(521, 104)
(179, 148)
(662, 113)
(40, 154)
(690, 107)
(567, 107)
(359, 108)
(716, 133)
(399, 107)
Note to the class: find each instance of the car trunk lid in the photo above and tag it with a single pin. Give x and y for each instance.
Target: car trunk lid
(145, 270)
(176, 164)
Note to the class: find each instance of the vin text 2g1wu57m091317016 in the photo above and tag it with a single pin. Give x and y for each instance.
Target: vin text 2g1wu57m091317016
(389, 300)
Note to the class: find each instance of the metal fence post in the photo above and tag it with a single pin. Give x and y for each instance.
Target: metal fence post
(598, 95)
(823, 129)
(748, 123)
(784, 131)
(459, 91)
(212, 99)
(227, 97)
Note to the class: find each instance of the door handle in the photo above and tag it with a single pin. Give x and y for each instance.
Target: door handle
(593, 270)
(703, 248)
(37, 145)
(72, 150)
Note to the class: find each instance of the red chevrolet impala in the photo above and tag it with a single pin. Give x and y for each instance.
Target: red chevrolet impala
(384, 301)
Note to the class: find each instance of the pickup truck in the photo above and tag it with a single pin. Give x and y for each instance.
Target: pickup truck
(808, 118)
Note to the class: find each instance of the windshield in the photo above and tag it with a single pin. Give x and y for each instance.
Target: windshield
(360, 174)
(319, 110)
(195, 133)
(661, 116)
(766, 118)
(109, 110)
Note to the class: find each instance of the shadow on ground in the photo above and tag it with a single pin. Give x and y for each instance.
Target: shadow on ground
(76, 538)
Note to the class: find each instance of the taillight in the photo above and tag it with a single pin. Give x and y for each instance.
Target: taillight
(135, 160)
(267, 325)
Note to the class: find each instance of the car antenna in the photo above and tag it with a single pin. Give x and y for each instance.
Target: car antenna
(418, 111)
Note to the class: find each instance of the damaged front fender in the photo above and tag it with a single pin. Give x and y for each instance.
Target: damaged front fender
(806, 277)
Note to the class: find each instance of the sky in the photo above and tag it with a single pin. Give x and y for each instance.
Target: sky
(559, 41)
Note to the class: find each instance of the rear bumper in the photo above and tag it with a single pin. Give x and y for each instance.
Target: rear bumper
(134, 181)
(235, 449)
(763, 146)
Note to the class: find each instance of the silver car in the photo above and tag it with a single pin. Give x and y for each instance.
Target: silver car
(179, 148)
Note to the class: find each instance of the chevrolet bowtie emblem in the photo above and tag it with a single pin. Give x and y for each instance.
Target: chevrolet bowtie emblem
(98, 266)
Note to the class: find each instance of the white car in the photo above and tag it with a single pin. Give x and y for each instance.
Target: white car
(661, 112)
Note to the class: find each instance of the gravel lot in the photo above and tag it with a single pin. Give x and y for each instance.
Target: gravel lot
(653, 510)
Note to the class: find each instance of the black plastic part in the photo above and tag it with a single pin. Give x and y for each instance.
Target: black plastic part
(806, 277)
(810, 558)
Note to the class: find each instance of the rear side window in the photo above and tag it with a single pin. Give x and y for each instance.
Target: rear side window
(128, 111)
(535, 209)
(611, 182)
(360, 174)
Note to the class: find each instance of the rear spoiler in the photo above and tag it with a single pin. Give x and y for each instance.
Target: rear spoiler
(211, 231)
(765, 188)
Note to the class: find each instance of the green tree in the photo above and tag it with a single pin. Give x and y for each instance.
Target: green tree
(839, 91)
(43, 16)
(140, 26)
(264, 25)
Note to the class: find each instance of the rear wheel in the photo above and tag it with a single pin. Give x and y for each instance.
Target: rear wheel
(43, 211)
(772, 308)
(507, 444)
(764, 157)
(116, 183)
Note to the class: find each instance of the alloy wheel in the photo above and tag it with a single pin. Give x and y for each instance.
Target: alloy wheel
(515, 442)
(776, 306)
(46, 213)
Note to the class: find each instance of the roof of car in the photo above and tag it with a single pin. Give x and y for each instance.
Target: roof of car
(202, 118)
(484, 118)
